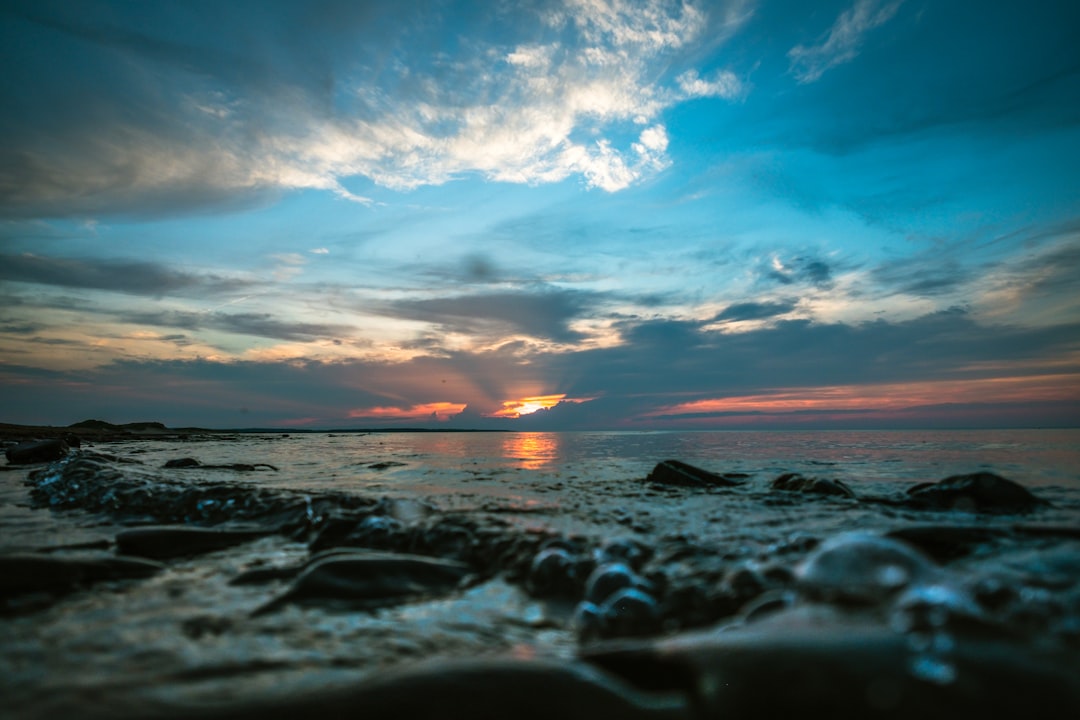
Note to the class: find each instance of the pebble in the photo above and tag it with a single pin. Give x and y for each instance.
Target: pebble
(371, 580)
(37, 572)
(166, 542)
(861, 568)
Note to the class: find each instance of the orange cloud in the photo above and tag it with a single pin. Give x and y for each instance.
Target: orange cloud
(528, 405)
(424, 411)
(889, 396)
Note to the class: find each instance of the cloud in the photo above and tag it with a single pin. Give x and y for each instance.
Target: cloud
(663, 368)
(799, 269)
(257, 103)
(545, 314)
(724, 84)
(843, 41)
(131, 277)
(754, 311)
(262, 325)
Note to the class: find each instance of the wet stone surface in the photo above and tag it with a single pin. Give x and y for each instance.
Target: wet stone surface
(248, 600)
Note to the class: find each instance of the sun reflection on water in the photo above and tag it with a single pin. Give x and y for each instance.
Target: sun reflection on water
(532, 450)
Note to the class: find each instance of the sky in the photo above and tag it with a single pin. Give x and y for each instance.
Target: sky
(561, 214)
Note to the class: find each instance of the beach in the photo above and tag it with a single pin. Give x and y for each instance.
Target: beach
(539, 574)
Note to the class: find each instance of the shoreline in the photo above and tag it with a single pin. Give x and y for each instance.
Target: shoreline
(101, 431)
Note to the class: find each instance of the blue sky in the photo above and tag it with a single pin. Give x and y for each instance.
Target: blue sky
(565, 214)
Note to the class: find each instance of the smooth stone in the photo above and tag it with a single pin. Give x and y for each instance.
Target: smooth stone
(172, 541)
(608, 579)
(627, 550)
(492, 688)
(186, 462)
(37, 452)
(680, 474)
(861, 568)
(34, 572)
(947, 542)
(975, 492)
(371, 581)
(261, 575)
(808, 663)
(630, 611)
(553, 572)
(794, 482)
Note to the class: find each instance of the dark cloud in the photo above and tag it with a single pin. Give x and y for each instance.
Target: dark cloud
(18, 327)
(133, 277)
(755, 311)
(255, 324)
(161, 108)
(543, 314)
(662, 363)
(801, 270)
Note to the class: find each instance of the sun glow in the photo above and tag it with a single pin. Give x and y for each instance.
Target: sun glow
(426, 411)
(528, 405)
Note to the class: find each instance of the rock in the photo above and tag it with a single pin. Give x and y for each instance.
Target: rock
(40, 451)
(553, 572)
(947, 542)
(804, 662)
(371, 581)
(610, 578)
(629, 612)
(976, 492)
(860, 568)
(794, 482)
(37, 572)
(680, 474)
(165, 542)
(186, 462)
(493, 688)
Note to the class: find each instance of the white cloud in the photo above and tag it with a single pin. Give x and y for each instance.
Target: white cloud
(843, 41)
(580, 95)
(724, 84)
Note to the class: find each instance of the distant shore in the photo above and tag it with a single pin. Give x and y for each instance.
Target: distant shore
(101, 431)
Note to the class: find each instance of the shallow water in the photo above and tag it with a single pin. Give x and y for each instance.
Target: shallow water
(188, 635)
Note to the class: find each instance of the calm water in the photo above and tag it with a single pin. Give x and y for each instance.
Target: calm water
(1031, 457)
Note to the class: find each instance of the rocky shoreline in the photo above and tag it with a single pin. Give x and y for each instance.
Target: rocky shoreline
(960, 595)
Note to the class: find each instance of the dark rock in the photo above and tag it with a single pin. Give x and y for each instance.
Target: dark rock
(629, 612)
(976, 492)
(493, 688)
(384, 465)
(680, 474)
(860, 568)
(370, 581)
(165, 542)
(628, 550)
(37, 452)
(794, 482)
(803, 662)
(186, 462)
(554, 572)
(947, 542)
(36, 572)
(608, 579)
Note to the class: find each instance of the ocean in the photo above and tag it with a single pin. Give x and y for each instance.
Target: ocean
(528, 519)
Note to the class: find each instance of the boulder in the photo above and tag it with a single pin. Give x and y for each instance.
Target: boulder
(680, 474)
(40, 451)
(975, 492)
